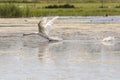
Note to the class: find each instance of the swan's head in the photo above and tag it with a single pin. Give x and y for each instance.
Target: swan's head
(42, 22)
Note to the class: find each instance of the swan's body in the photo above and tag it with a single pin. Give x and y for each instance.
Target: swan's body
(41, 27)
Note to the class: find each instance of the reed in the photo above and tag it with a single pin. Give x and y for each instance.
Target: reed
(10, 10)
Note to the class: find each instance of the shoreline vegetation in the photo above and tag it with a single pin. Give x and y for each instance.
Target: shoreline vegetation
(36, 8)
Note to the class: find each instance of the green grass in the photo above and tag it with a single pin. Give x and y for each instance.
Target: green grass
(8, 10)
(31, 1)
(81, 9)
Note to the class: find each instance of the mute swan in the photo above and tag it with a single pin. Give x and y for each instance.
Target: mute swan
(44, 27)
(108, 39)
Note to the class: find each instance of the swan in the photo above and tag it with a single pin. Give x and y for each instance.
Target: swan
(44, 27)
(108, 39)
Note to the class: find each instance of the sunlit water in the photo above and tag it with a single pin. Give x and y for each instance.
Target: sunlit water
(66, 60)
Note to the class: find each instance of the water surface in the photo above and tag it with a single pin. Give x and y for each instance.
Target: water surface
(67, 60)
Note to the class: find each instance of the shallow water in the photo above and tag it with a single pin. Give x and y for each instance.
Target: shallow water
(66, 60)
(34, 58)
(94, 18)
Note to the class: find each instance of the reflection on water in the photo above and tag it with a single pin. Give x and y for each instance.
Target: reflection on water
(67, 60)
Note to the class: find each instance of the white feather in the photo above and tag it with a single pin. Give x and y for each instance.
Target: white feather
(50, 23)
(44, 21)
(108, 39)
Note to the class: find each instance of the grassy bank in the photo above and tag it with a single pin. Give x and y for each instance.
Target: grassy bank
(38, 9)
(83, 1)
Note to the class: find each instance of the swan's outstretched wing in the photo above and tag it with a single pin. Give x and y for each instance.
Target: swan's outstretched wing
(49, 24)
